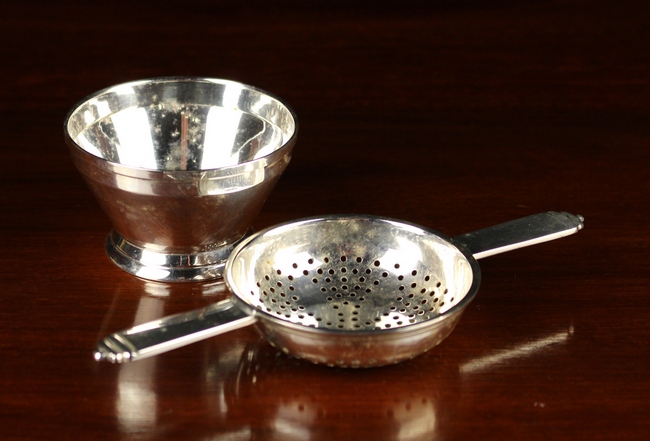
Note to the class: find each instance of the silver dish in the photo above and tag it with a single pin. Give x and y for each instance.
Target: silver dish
(181, 166)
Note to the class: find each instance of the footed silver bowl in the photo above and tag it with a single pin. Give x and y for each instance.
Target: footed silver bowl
(181, 166)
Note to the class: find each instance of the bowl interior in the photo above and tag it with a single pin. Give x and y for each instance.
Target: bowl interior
(181, 124)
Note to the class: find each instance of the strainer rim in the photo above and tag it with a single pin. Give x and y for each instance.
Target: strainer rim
(260, 314)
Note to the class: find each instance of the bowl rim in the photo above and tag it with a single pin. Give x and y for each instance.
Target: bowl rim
(216, 172)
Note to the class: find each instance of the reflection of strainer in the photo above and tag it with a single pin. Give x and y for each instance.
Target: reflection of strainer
(349, 291)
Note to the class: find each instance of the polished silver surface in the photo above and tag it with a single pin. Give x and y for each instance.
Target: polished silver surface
(168, 266)
(348, 291)
(180, 330)
(181, 166)
(520, 233)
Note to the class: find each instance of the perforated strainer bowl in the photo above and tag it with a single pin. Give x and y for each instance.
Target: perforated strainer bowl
(348, 291)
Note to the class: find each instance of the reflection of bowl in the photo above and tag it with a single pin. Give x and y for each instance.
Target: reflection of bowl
(181, 166)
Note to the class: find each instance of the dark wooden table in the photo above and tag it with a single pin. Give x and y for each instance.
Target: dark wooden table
(453, 114)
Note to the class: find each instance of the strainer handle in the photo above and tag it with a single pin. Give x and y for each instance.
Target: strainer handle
(520, 233)
(172, 332)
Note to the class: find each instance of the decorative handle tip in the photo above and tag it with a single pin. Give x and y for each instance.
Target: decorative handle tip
(113, 351)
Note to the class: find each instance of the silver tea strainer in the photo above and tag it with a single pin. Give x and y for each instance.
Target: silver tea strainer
(347, 291)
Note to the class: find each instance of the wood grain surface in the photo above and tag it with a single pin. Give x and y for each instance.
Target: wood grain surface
(453, 114)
